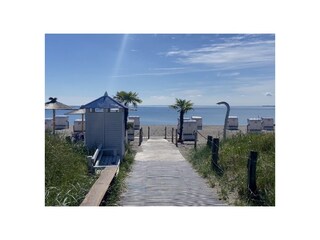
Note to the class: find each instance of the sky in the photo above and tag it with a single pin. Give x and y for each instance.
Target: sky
(75, 73)
(203, 68)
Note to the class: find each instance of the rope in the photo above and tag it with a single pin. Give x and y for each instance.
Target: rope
(218, 167)
(202, 135)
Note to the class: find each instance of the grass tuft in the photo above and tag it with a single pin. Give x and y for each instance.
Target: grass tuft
(66, 173)
(233, 158)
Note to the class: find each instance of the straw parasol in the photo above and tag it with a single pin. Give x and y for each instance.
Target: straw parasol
(78, 112)
(54, 105)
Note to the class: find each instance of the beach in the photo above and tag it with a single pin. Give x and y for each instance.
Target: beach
(158, 131)
(215, 131)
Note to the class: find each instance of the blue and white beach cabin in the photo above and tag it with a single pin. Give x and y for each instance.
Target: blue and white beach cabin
(106, 124)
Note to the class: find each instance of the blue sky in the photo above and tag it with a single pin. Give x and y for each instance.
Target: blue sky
(203, 68)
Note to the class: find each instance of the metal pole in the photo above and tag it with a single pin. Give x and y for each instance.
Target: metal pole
(226, 119)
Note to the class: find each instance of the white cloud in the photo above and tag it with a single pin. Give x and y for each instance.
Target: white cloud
(236, 54)
(167, 68)
(230, 74)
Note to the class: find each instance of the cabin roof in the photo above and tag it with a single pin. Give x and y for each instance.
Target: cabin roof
(105, 102)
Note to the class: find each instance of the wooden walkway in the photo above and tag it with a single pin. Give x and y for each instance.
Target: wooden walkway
(99, 188)
(161, 176)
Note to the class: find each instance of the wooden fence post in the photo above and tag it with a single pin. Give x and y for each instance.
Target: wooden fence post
(209, 141)
(195, 139)
(252, 163)
(215, 153)
(148, 132)
(165, 132)
(177, 137)
(172, 130)
(140, 136)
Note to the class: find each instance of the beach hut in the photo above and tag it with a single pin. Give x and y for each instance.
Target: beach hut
(79, 125)
(136, 119)
(199, 121)
(254, 125)
(130, 130)
(189, 127)
(106, 125)
(62, 122)
(267, 123)
(54, 105)
(232, 123)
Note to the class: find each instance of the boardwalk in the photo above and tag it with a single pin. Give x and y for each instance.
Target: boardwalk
(161, 176)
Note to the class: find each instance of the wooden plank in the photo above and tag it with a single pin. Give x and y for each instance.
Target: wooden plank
(100, 187)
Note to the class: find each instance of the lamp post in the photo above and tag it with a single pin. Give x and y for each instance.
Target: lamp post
(226, 119)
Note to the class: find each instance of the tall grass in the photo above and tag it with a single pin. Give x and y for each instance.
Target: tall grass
(233, 158)
(66, 173)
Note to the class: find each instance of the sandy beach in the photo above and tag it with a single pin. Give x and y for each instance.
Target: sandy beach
(159, 132)
(212, 130)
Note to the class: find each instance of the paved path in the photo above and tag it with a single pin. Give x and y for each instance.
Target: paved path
(160, 176)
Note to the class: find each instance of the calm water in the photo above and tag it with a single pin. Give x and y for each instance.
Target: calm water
(163, 115)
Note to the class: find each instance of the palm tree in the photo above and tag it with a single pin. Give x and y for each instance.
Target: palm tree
(128, 98)
(183, 106)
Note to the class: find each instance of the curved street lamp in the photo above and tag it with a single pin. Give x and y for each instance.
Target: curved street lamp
(226, 119)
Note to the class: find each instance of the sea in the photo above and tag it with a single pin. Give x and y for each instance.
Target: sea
(163, 115)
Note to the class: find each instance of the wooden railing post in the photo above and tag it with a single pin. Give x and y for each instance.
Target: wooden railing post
(148, 132)
(209, 141)
(165, 133)
(195, 139)
(177, 137)
(140, 136)
(252, 163)
(215, 153)
(172, 130)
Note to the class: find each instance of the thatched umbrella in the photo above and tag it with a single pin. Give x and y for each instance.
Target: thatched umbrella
(55, 105)
(77, 112)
